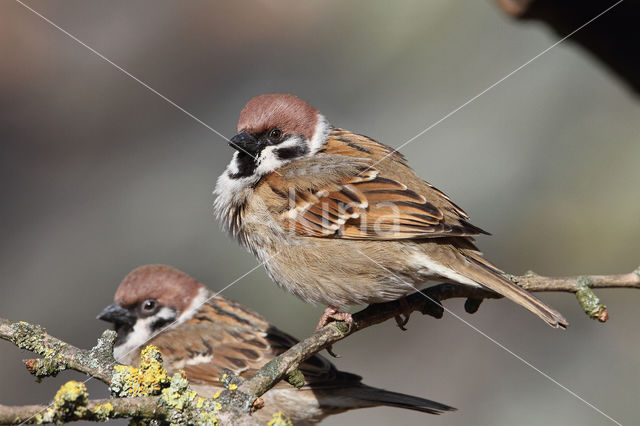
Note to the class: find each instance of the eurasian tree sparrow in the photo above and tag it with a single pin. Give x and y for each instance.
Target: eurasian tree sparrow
(339, 219)
(202, 333)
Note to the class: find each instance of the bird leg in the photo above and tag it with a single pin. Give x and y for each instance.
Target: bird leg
(403, 318)
(332, 313)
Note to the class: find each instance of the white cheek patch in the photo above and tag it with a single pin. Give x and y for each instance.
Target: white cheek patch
(141, 334)
(268, 160)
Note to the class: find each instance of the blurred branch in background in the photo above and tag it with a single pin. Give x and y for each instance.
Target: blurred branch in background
(148, 393)
(613, 38)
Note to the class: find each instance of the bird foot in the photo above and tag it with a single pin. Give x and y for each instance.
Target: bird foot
(332, 313)
(403, 318)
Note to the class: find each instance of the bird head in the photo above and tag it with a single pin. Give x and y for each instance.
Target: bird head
(149, 300)
(274, 130)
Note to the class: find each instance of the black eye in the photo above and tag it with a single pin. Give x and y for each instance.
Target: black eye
(275, 134)
(149, 305)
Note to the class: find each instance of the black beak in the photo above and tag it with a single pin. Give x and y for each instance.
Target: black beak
(117, 315)
(246, 143)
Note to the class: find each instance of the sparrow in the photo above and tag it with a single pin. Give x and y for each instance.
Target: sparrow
(340, 219)
(203, 333)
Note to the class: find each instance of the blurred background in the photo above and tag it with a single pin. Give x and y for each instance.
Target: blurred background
(99, 175)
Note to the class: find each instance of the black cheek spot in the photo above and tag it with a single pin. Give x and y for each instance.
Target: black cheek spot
(292, 152)
(161, 322)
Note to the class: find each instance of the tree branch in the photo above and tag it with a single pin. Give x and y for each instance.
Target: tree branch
(148, 393)
(96, 410)
(427, 302)
(58, 355)
(145, 392)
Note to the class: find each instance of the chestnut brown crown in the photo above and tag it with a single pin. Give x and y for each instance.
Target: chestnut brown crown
(286, 112)
(163, 283)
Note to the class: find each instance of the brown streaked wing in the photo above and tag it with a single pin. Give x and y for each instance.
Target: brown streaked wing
(369, 205)
(238, 339)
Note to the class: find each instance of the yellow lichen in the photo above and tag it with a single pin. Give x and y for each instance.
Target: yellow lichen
(178, 395)
(280, 419)
(69, 403)
(208, 419)
(103, 411)
(233, 386)
(149, 378)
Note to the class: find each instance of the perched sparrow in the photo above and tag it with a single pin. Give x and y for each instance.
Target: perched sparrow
(340, 219)
(202, 333)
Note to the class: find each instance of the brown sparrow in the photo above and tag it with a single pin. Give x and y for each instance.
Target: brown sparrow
(202, 334)
(340, 219)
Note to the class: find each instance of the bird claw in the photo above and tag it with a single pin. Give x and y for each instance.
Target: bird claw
(401, 321)
(332, 353)
(332, 313)
(403, 318)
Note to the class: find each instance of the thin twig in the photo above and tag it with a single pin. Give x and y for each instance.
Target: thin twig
(180, 404)
(286, 364)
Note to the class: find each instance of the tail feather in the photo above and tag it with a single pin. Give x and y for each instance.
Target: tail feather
(362, 396)
(371, 396)
(491, 279)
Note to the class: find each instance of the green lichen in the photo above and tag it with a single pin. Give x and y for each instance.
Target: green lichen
(208, 419)
(179, 397)
(207, 410)
(103, 350)
(588, 300)
(342, 326)
(296, 378)
(45, 367)
(32, 338)
(232, 396)
(149, 378)
(70, 403)
(229, 379)
(280, 419)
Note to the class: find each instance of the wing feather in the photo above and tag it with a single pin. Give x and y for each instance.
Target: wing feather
(370, 203)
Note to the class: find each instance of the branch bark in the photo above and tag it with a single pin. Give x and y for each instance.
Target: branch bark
(57, 355)
(96, 410)
(178, 403)
(427, 302)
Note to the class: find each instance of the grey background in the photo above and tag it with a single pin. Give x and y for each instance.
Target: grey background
(99, 175)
